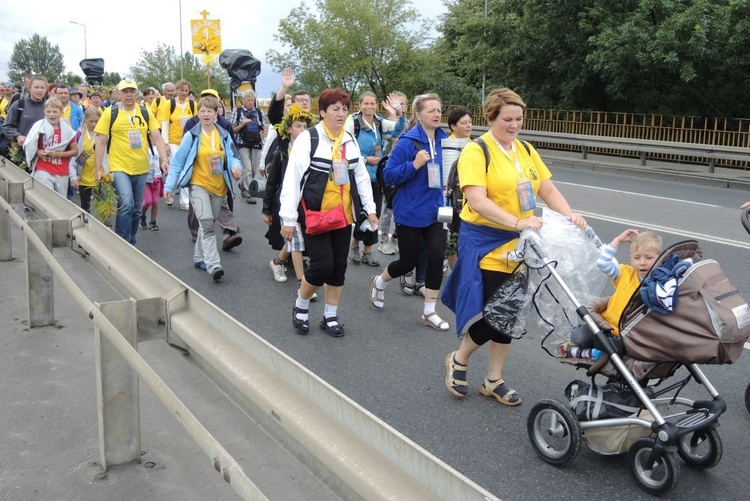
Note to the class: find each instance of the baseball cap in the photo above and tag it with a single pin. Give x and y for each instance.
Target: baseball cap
(210, 92)
(74, 90)
(127, 84)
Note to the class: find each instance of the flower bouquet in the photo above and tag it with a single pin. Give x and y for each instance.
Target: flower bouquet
(104, 199)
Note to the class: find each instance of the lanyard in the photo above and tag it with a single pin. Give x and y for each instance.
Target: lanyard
(181, 105)
(433, 154)
(130, 117)
(514, 160)
(213, 132)
(88, 136)
(336, 148)
(372, 128)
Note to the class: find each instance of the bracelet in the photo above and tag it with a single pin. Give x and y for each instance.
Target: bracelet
(515, 226)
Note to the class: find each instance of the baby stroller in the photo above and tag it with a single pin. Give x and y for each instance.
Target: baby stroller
(745, 218)
(633, 409)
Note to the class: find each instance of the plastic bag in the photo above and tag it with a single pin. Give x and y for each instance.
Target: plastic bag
(503, 308)
(573, 254)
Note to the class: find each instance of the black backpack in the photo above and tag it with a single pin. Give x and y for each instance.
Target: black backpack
(389, 190)
(454, 194)
(250, 135)
(358, 127)
(173, 105)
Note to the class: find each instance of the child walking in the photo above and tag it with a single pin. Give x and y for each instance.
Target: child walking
(152, 193)
(85, 159)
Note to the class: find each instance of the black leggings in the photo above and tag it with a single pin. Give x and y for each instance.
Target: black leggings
(86, 192)
(480, 332)
(328, 253)
(409, 242)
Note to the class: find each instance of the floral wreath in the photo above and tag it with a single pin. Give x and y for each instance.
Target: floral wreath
(296, 114)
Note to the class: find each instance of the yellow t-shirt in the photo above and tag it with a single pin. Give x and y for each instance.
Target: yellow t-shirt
(3, 104)
(152, 107)
(625, 286)
(87, 171)
(210, 146)
(501, 181)
(182, 113)
(122, 157)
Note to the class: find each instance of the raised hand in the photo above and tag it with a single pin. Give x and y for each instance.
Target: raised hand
(287, 78)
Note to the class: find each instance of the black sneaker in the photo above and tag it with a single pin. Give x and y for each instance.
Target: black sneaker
(153, 226)
(142, 224)
(217, 273)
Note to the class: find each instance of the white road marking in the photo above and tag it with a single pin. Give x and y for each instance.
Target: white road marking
(638, 194)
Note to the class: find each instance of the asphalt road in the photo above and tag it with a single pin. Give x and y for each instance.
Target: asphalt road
(393, 366)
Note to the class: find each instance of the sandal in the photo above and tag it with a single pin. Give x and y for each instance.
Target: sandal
(407, 287)
(455, 378)
(433, 320)
(502, 393)
(301, 326)
(375, 292)
(332, 327)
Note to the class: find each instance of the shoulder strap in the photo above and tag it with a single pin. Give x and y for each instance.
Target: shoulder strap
(144, 112)
(113, 117)
(314, 140)
(417, 144)
(192, 106)
(485, 151)
(172, 106)
(357, 127)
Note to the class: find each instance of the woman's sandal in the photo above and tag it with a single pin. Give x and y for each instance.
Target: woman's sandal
(433, 320)
(455, 377)
(374, 292)
(301, 326)
(500, 391)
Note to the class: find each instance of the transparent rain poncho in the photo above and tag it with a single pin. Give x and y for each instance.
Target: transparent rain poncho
(532, 300)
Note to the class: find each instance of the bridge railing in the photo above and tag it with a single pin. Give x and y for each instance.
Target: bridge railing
(355, 454)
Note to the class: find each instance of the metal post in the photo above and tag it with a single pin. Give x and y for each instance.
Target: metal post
(117, 388)
(643, 158)
(39, 277)
(6, 248)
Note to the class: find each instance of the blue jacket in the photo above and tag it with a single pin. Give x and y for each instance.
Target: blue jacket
(181, 168)
(76, 115)
(415, 204)
(463, 292)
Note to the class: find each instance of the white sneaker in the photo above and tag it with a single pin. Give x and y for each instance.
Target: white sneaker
(387, 249)
(279, 272)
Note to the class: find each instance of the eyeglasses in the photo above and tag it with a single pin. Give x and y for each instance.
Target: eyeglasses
(303, 100)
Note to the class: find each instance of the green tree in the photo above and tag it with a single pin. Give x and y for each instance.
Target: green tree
(36, 55)
(110, 79)
(163, 65)
(71, 79)
(352, 44)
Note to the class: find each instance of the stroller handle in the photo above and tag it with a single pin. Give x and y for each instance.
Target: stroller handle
(745, 218)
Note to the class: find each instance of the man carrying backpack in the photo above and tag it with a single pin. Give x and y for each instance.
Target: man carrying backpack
(249, 127)
(26, 111)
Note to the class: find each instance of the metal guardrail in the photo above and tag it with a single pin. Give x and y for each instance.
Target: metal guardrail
(644, 147)
(347, 448)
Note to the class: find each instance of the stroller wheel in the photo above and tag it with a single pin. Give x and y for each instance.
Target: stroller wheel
(701, 449)
(657, 477)
(554, 432)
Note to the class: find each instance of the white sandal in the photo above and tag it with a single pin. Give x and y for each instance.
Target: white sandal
(433, 320)
(375, 292)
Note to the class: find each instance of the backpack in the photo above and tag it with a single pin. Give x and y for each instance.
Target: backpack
(4, 141)
(454, 194)
(144, 112)
(389, 190)
(250, 133)
(173, 106)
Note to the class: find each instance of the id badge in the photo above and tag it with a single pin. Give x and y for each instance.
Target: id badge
(433, 175)
(526, 195)
(135, 139)
(377, 151)
(340, 172)
(216, 165)
(81, 159)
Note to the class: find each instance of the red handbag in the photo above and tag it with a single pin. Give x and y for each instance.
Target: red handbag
(322, 221)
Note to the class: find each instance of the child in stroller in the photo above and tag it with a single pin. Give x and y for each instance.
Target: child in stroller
(709, 325)
(644, 249)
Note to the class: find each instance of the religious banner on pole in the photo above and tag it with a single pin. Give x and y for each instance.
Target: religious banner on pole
(206, 39)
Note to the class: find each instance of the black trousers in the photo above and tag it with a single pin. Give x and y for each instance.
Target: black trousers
(328, 253)
(480, 332)
(410, 241)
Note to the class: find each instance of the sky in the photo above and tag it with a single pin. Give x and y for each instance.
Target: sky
(119, 38)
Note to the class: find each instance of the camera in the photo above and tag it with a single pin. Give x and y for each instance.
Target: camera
(445, 214)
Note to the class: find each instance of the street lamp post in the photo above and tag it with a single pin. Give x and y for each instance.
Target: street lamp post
(85, 48)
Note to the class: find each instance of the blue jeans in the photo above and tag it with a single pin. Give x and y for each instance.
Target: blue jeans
(129, 191)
